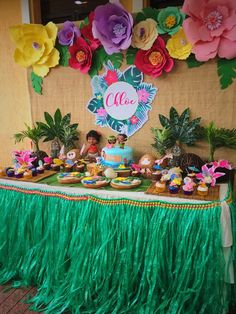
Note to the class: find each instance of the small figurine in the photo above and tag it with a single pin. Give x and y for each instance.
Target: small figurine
(121, 139)
(111, 141)
(72, 156)
(92, 151)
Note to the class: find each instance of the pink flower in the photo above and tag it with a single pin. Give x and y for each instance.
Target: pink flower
(101, 112)
(81, 55)
(143, 95)
(222, 164)
(24, 158)
(134, 120)
(111, 77)
(211, 28)
(208, 175)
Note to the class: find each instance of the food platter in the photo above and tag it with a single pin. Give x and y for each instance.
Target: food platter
(95, 182)
(124, 183)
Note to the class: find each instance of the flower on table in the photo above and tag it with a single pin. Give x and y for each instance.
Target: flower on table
(143, 95)
(208, 175)
(221, 163)
(144, 34)
(35, 46)
(178, 46)
(134, 120)
(169, 20)
(68, 34)
(87, 33)
(211, 28)
(81, 55)
(155, 60)
(112, 25)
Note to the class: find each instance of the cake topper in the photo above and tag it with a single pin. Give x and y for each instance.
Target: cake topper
(92, 150)
(121, 139)
(111, 141)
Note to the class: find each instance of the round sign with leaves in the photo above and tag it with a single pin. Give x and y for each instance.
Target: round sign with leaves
(121, 100)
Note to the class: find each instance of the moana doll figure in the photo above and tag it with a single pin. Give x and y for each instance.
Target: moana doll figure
(121, 139)
(92, 150)
(111, 141)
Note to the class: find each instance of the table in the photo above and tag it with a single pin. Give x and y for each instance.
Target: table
(102, 252)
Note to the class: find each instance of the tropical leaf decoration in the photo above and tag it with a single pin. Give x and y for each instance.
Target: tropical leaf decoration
(145, 95)
(192, 62)
(33, 133)
(163, 140)
(227, 71)
(59, 128)
(182, 129)
(37, 82)
(219, 137)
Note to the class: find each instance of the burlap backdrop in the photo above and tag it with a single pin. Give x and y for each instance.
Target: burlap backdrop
(196, 88)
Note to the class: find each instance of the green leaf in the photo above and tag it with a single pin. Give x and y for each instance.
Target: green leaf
(84, 22)
(130, 55)
(115, 125)
(48, 118)
(94, 105)
(57, 117)
(64, 54)
(226, 70)
(132, 76)
(37, 82)
(66, 119)
(116, 59)
(150, 13)
(165, 122)
(192, 62)
(99, 57)
(140, 17)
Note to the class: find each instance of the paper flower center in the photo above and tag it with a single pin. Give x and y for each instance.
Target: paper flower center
(142, 32)
(36, 45)
(80, 56)
(155, 58)
(183, 41)
(69, 35)
(170, 21)
(213, 20)
(119, 30)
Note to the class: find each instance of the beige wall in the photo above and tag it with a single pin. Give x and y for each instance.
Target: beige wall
(14, 95)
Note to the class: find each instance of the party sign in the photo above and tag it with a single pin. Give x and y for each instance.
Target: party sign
(121, 100)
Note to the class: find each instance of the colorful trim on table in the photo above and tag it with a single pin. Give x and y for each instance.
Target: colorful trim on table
(117, 201)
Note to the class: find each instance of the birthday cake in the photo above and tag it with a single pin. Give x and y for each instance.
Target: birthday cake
(116, 156)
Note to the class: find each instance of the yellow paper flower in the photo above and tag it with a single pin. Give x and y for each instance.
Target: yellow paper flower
(178, 46)
(35, 46)
(144, 34)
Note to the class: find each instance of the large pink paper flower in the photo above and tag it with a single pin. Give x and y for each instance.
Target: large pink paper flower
(211, 28)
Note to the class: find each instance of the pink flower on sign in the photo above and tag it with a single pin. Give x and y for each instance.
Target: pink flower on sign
(143, 95)
(101, 112)
(134, 120)
(111, 77)
(211, 28)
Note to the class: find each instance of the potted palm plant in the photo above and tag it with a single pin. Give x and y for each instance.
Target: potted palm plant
(59, 130)
(34, 134)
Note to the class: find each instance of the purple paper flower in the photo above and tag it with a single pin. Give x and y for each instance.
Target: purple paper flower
(112, 25)
(68, 34)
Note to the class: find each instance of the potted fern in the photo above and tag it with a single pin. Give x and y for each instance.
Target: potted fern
(59, 130)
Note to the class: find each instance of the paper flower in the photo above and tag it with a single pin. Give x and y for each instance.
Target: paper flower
(178, 46)
(143, 95)
(221, 163)
(101, 112)
(208, 175)
(35, 46)
(24, 158)
(155, 60)
(211, 28)
(169, 20)
(111, 77)
(112, 25)
(87, 33)
(134, 120)
(81, 55)
(68, 34)
(144, 34)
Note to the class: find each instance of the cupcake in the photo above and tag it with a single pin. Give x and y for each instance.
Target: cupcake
(10, 172)
(68, 168)
(202, 189)
(55, 167)
(173, 188)
(28, 174)
(156, 175)
(19, 174)
(79, 168)
(160, 186)
(47, 163)
(34, 172)
(40, 169)
(188, 187)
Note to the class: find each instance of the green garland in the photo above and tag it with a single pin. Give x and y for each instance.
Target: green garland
(92, 256)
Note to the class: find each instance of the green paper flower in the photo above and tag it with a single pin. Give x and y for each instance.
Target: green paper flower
(169, 20)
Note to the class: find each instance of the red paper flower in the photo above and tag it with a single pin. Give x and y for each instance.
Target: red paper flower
(155, 60)
(81, 55)
(111, 77)
(86, 31)
(134, 120)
